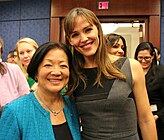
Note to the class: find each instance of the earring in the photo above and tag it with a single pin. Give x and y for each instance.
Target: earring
(36, 79)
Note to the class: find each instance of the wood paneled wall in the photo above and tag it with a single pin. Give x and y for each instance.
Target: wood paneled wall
(117, 9)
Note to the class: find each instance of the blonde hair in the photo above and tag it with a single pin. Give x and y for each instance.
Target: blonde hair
(29, 41)
(101, 57)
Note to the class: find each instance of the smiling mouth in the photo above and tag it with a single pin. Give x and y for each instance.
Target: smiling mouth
(144, 64)
(88, 45)
(54, 80)
(27, 61)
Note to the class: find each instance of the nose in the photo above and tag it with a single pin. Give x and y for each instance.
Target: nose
(121, 51)
(25, 54)
(84, 38)
(56, 72)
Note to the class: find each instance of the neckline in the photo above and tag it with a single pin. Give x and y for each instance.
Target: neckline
(55, 125)
(44, 111)
(55, 113)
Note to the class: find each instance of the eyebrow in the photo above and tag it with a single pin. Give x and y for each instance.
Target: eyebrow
(89, 25)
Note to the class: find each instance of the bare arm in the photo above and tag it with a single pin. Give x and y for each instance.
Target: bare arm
(145, 117)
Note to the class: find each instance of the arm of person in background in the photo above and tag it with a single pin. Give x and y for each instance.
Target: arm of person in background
(145, 117)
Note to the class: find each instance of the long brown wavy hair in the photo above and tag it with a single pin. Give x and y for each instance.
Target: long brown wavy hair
(101, 57)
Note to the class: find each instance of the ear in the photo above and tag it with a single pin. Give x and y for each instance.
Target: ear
(152, 57)
(36, 77)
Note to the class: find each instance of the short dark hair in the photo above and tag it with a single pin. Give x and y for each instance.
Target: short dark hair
(39, 55)
(11, 54)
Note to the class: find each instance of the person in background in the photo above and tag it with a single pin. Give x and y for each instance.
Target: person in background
(109, 100)
(45, 114)
(17, 60)
(158, 55)
(16, 56)
(116, 44)
(1, 48)
(154, 75)
(13, 83)
(10, 57)
(25, 48)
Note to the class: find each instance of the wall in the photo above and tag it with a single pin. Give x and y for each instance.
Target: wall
(24, 18)
(132, 9)
(21, 18)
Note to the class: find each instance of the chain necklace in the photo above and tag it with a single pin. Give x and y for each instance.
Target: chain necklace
(55, 113)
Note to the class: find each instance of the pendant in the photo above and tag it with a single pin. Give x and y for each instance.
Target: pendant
(56, 113)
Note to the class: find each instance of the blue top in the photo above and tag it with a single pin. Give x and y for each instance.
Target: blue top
(26, 119)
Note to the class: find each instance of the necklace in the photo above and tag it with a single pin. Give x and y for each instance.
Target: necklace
(55, 113)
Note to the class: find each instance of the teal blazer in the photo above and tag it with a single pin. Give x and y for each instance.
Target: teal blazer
(26, 119)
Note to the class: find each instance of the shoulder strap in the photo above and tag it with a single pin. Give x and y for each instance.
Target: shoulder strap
(126, 69)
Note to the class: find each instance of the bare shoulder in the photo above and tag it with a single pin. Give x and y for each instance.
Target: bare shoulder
(134, 63)
(136, 69)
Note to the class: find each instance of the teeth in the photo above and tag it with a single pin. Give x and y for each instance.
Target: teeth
(86, 46)
(54, 80)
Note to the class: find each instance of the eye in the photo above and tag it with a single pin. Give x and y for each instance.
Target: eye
(140, 57)
(122, 47)
(28, 51)
(147, 58)
(74, 35)
(89, 29)
(115, 46)
(21, 53)
(47, 65)
(64, 66)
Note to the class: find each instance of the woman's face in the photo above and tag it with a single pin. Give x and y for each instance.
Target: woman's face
(25, 52)
(15, 57)
(84, 37)
(145, 59)
(53, 72)
(117, 48)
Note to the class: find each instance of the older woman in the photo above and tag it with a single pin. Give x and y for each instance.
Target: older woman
(45, 114)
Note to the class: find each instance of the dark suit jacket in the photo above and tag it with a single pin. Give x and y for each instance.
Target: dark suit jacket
(155, 89)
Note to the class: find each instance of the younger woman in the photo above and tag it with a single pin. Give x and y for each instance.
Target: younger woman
(116, 44)
(104, 97)
(154, 75)
(25, 48)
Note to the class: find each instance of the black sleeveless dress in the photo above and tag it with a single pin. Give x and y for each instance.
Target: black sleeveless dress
(108, 112)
